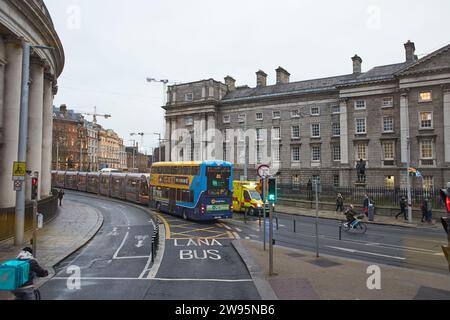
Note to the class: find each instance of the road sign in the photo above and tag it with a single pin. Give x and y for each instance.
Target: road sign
(19, 171)
(263, 171)
(17, 185)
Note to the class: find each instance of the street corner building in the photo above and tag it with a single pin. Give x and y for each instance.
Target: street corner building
(30, 21)
(319, 129)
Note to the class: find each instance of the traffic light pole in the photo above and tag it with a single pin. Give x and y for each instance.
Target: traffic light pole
(35, 209)
(270, 239)
(317, 219)
(264, 209)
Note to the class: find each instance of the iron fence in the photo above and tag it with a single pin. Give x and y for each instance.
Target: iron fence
(48, 207)
(383, 197)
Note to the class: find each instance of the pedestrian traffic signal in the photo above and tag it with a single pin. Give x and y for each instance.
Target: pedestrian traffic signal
(272, 190)
(34, 188)
(445, 194)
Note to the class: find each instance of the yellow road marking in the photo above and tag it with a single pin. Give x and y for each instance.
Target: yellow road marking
(166, 225)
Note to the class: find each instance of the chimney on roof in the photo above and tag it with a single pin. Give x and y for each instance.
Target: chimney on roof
(230, 83)
(63, 108)
(410, 50)
(261, 79)
(282, 76)
(357, 64)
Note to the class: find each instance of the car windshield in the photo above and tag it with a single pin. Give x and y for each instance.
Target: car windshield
(255, 195)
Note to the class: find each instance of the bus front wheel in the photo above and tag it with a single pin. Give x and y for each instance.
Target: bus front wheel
(185, 217)
(158, 207)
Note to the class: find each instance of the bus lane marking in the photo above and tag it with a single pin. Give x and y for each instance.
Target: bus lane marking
(198, 249)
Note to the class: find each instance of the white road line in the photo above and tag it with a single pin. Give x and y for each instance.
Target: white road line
(365, 252)
(125, 215)
(121, 245)
(238, 230)
(131, 257)
(247, 238)
(236, 235)
(156, 279)
(226, 227)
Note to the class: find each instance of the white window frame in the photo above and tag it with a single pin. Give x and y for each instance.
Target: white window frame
(420, 120)
(259, 118)
(189, 121)
(312, 130)
(420, 96)
(366, 151)
(276, 112)
(242, 118)
(425, 184)
(295, 113)
(276, 153)
(259, 134)
(292, 131)
(391, 105)
(384, 124)
(333, 152)
(276, 129)
(384, 144)
(360, 108)
(333, 127)
(293, 153)
(312, 153)
(315, 108)
(189, 97)
(336, 109)
(432, 149)
(226, 119)
(365, 126)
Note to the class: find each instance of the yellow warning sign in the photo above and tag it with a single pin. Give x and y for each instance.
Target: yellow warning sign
(19, 169)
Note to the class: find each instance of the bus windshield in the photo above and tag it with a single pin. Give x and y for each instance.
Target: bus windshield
(218, 180)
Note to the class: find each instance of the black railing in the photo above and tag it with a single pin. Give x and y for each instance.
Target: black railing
(48, 207)
(383, 197)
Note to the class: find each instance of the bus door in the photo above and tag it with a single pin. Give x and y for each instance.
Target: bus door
(172, 200)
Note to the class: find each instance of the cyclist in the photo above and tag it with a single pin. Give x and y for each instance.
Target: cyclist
(26, 292)
(350, 215)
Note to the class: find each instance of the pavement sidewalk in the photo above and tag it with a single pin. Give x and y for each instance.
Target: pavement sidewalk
(381, 220)
(73, 227)
(302, 276)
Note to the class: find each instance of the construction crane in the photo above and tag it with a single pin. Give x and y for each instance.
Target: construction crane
(95, 115)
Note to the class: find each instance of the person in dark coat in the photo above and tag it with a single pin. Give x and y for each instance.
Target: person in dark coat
(402, 209)
(339, 203)
(60, 196)
(26, 291)
(426, 210)
(366, 205)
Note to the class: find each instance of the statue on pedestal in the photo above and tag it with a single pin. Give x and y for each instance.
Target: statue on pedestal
(361, 171)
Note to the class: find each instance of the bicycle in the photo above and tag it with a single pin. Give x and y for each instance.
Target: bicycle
(357, 226)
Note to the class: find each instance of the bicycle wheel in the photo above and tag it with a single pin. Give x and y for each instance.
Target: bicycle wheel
(361, 228)
(37, 294)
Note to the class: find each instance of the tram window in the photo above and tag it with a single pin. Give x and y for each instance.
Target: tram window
(195, 171)
(144, 188)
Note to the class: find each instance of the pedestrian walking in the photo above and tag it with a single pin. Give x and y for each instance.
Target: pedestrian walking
(426, 210)
(366, 205)
(339, 203)
(60, 196)
(402, 209)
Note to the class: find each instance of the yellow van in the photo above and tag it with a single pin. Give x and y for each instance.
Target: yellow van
(246, 198)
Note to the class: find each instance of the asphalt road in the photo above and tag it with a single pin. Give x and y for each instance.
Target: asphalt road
(199, 261)
(414, 248)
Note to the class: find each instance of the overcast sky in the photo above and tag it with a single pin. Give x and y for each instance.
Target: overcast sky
(111, 46)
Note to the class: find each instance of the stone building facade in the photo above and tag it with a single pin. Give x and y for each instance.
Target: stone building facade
(110, 148)
(30, 21)
(318, 129)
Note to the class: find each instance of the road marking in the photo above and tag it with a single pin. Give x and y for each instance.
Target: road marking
(226, 227)
(247, 238)
(236, 235)
(121, 245)
(156, 279)
(238, 230)
(131, 257)
(166, 225)
(125, 215)
(365, 252)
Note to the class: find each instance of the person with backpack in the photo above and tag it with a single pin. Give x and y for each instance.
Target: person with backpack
(26, 291)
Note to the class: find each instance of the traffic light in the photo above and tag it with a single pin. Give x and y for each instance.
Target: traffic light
(445, 194)
(272, 190)
(34, 188)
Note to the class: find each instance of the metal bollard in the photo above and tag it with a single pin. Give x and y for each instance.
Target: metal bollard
(295, 226)
(245, 216)
(153, 251)
(340, 231)
(276, 219)
(259, 220)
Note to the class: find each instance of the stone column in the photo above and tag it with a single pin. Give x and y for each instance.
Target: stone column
(2, 84)
(47, 137)
(35, 113)
(211, 147)
(11, 112)
(447, 124)
(404, 127)
(168, 142)
(344, 132)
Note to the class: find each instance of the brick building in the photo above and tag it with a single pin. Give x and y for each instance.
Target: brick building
(318, 129)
